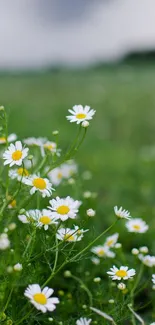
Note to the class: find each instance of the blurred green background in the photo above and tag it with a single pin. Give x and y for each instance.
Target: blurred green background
(124, 98)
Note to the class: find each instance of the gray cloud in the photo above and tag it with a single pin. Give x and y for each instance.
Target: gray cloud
(33, 35)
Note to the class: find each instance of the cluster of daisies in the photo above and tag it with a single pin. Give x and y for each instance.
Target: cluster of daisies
(54, 217)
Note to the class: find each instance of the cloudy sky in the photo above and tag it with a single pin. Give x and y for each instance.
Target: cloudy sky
(36, 33)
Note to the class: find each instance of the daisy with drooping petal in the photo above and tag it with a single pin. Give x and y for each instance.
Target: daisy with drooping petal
(64, 208)
(15, 154)
(137, 225)
(102, 251)
(83, 321)
(122, 213)
(40, 184)
(122, 273)
(80, 114)
(69, 169)
(41, 298)
(29, 216)
(147, 260)
(67, 234)
(111, 240)
(11, 138)
(19, 173)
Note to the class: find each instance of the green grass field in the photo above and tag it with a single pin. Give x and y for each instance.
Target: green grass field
(124, 124)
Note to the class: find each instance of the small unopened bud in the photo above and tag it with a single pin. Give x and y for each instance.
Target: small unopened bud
(30, 157)
(55, 132)
(50, 319)
(91, 213)
(98, 279)
(111, 301)
(67, 274)
(135, 251)
(9, 269)
(18, 267)
(22, 211)
(85, 124)
(84, 306)
(61, 293)
(121, 286)
(87, 194)
(12, 226)
(71, 181)
(144, 249)
(118, 245)
(1, 108)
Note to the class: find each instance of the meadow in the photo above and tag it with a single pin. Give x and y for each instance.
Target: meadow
(119, 151)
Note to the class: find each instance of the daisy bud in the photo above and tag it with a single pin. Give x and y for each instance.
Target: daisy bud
(12, 226)
(30, 157)
(87, 194)
(61, 293)
(98, 279)
(1, 108)
(84, 307)
(5, 229)
(67, 274)
(111, 301)
(50, 319)
(22, 211)
(56, 132)
(118, 245)
(135, 251)
(144, 249)
(85, 124)
(18, 267)
(9, 269)
(71, 181)
(91, 213)
(121, 286)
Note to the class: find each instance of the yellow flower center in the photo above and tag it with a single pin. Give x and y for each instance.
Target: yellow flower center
(121, 273)
(49, 146)
(63, 209)
(136, 227)
(45, 220)
(13, 204)
(80, 116)
(39, 183)
(2, 139)
(69, 237)
(101, 252)
(110, 242)
(17, 155)
(40, 298)
(59, 175)
(22, 172)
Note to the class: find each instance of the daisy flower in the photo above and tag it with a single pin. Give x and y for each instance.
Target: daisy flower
(52, 147)
(153, 278)
(137, 225)
(122, 273)
(111, 240)
(39, 142)
(40, 184)
(102, 251)
(147, 260)
(69, 169)
(80, 114)
(41, 298)
(70, 235)
(15, 154)
(64, 208)
(11, 138)
(122, 214)
(83, 321)
(19, 173)
(45, 219)
(29, 216)
(56, 176)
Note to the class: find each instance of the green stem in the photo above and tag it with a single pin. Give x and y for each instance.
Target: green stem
(85, 288)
